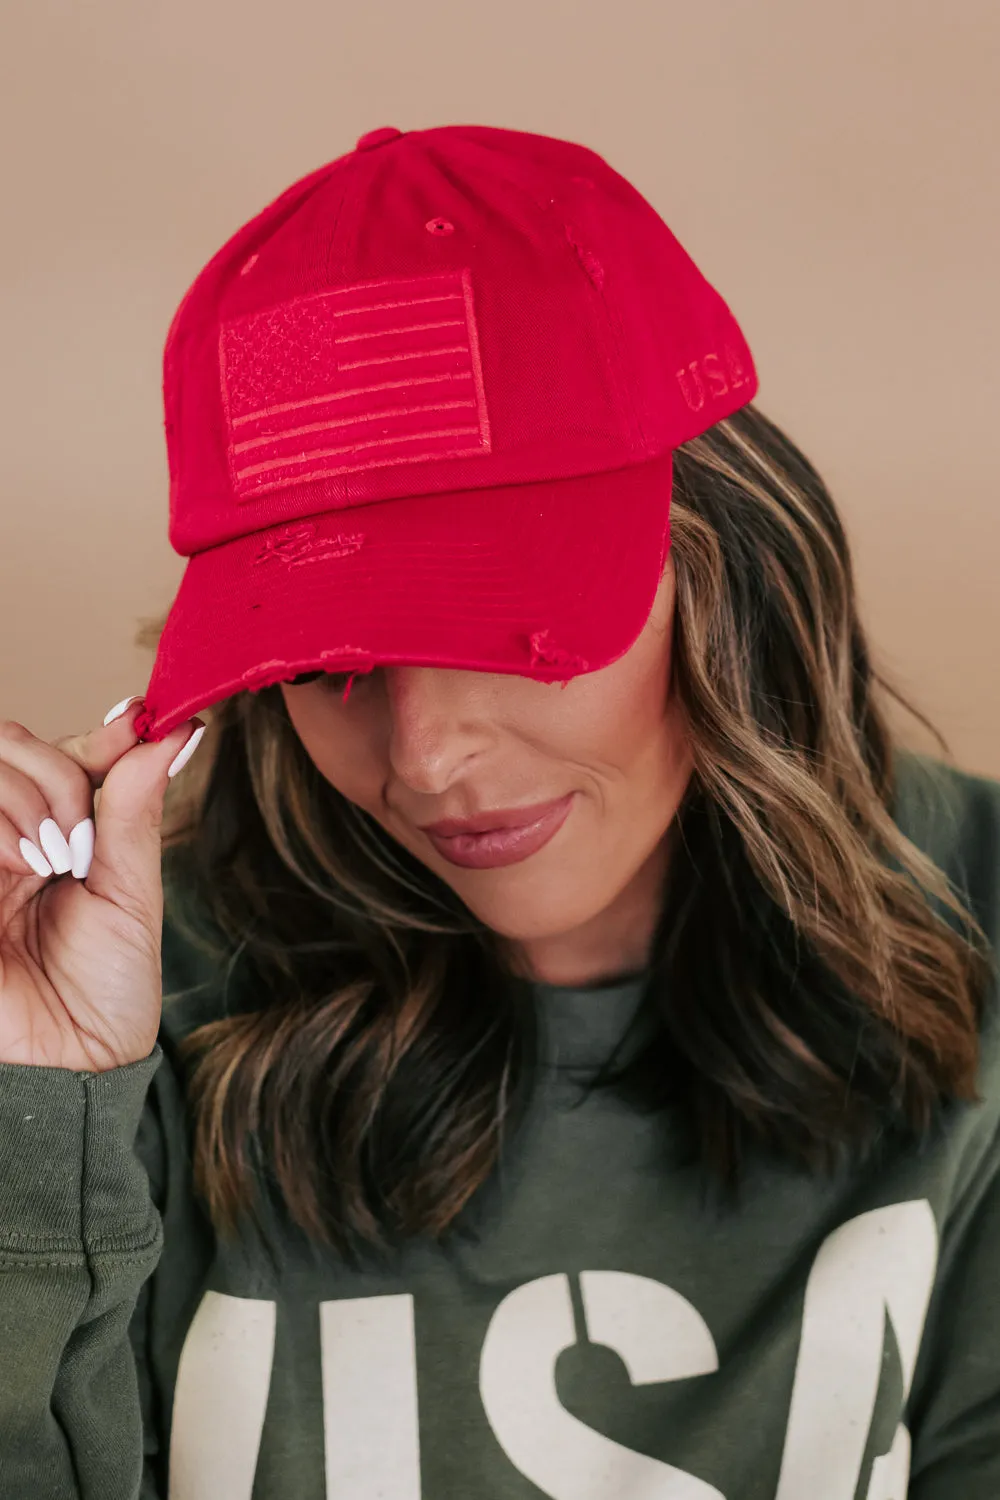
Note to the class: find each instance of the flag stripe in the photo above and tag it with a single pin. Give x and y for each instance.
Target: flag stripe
(358, 390)
(388, 359)
(347, 312)
(254, 487)
(282, 463)
(384, 333)
(396, 411)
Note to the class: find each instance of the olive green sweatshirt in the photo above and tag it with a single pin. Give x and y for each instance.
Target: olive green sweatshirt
(606, 1335)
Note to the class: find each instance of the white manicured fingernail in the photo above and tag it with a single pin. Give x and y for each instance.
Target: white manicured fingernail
(81, 845)
(182, 757)
(119, 708)
(55, 846)
(35, 858)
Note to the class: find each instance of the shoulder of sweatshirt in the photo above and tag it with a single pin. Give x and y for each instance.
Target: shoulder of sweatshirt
(953, 816)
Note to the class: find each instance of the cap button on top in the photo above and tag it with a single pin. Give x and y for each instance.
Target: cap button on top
(377, 138)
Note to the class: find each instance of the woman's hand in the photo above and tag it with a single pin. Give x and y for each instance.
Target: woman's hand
(80, 983)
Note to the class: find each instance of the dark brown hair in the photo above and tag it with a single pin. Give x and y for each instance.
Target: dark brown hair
(815, 980)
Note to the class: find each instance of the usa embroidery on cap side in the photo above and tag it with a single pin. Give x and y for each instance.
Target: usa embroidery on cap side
(359, 377)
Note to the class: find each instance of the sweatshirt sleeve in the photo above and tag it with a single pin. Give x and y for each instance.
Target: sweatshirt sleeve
(79, 1235)
(957, 1418)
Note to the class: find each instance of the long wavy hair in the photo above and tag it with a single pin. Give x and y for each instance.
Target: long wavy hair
(815, 985)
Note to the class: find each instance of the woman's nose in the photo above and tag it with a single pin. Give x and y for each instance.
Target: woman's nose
(436, 724)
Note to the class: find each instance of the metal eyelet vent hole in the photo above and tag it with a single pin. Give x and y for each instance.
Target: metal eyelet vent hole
(439, 226)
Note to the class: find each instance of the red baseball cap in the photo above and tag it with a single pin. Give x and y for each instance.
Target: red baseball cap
(421, 410)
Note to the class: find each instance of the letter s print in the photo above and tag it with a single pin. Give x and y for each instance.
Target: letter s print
(658, 1336)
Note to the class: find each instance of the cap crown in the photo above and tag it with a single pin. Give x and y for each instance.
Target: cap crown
(449, 309)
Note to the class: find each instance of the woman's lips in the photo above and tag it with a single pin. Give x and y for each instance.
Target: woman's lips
(503, 846)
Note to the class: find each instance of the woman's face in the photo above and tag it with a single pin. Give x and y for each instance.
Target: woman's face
(416, 744)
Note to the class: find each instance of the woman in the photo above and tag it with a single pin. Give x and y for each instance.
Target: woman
(645, 1148)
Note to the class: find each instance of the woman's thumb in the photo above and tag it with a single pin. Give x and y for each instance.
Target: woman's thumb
(128, 818)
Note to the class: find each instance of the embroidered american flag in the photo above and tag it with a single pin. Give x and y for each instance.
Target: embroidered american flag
(359, 377)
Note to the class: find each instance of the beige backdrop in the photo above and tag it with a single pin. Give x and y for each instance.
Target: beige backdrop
(832, 168)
